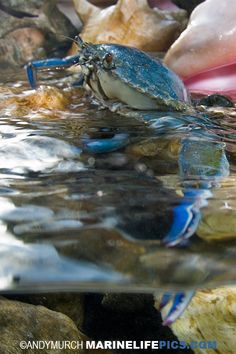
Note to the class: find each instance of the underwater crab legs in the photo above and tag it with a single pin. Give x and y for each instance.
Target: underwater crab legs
(130, 82)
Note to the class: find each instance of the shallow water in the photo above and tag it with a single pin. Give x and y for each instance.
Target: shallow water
(75, 220)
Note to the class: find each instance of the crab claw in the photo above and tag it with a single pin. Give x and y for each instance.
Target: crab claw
(164, 300)
(179, 304)
(187, 216)
(46, 64)
(97, 146)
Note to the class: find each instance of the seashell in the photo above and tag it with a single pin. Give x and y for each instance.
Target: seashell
(188, 5)
(205, 53)
(132, 23)
(210, 316)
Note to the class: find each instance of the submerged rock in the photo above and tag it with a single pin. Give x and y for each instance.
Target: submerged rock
(69, 304)
(219, 217)
(132, 23)
(210, 316)
(24, 322)
(163, 148)
(106, 245)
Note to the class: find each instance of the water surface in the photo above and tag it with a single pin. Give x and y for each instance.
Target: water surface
(75, 220)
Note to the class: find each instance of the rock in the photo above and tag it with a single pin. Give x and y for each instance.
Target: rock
(219, 226)
(70, 304)
(132, 23)
(219, 217)
(32, 29)
(155, 155)
(163, 148)
(210, 316)
(47, 99)
(128, 303)
(24, 322)
(21, 45)
(105, 245)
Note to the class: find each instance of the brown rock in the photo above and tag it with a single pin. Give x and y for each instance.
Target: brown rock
(219, 217)
(32, 29)
(47, 98)
(70, 304)
(106, 246)
(21, 44)
(23, 322)
(163, 148)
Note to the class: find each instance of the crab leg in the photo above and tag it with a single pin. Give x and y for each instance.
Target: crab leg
(106, 145)
(164, 300)
(204, 162)
(180, 302)
(34, 66)
(186, 217)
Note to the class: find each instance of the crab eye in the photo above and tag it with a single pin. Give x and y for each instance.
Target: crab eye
(108, 58)
(108, 61)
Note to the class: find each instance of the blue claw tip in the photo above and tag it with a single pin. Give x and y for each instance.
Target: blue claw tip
(187, 216)
(180, 302)
(164, 300)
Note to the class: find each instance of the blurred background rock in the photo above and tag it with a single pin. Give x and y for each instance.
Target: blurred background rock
(32, 29)
(37, 29)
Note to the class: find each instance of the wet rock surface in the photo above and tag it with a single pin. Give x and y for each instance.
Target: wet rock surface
(49, 98)
(210, 316)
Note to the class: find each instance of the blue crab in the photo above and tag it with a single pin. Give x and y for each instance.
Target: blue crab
(129, 81)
